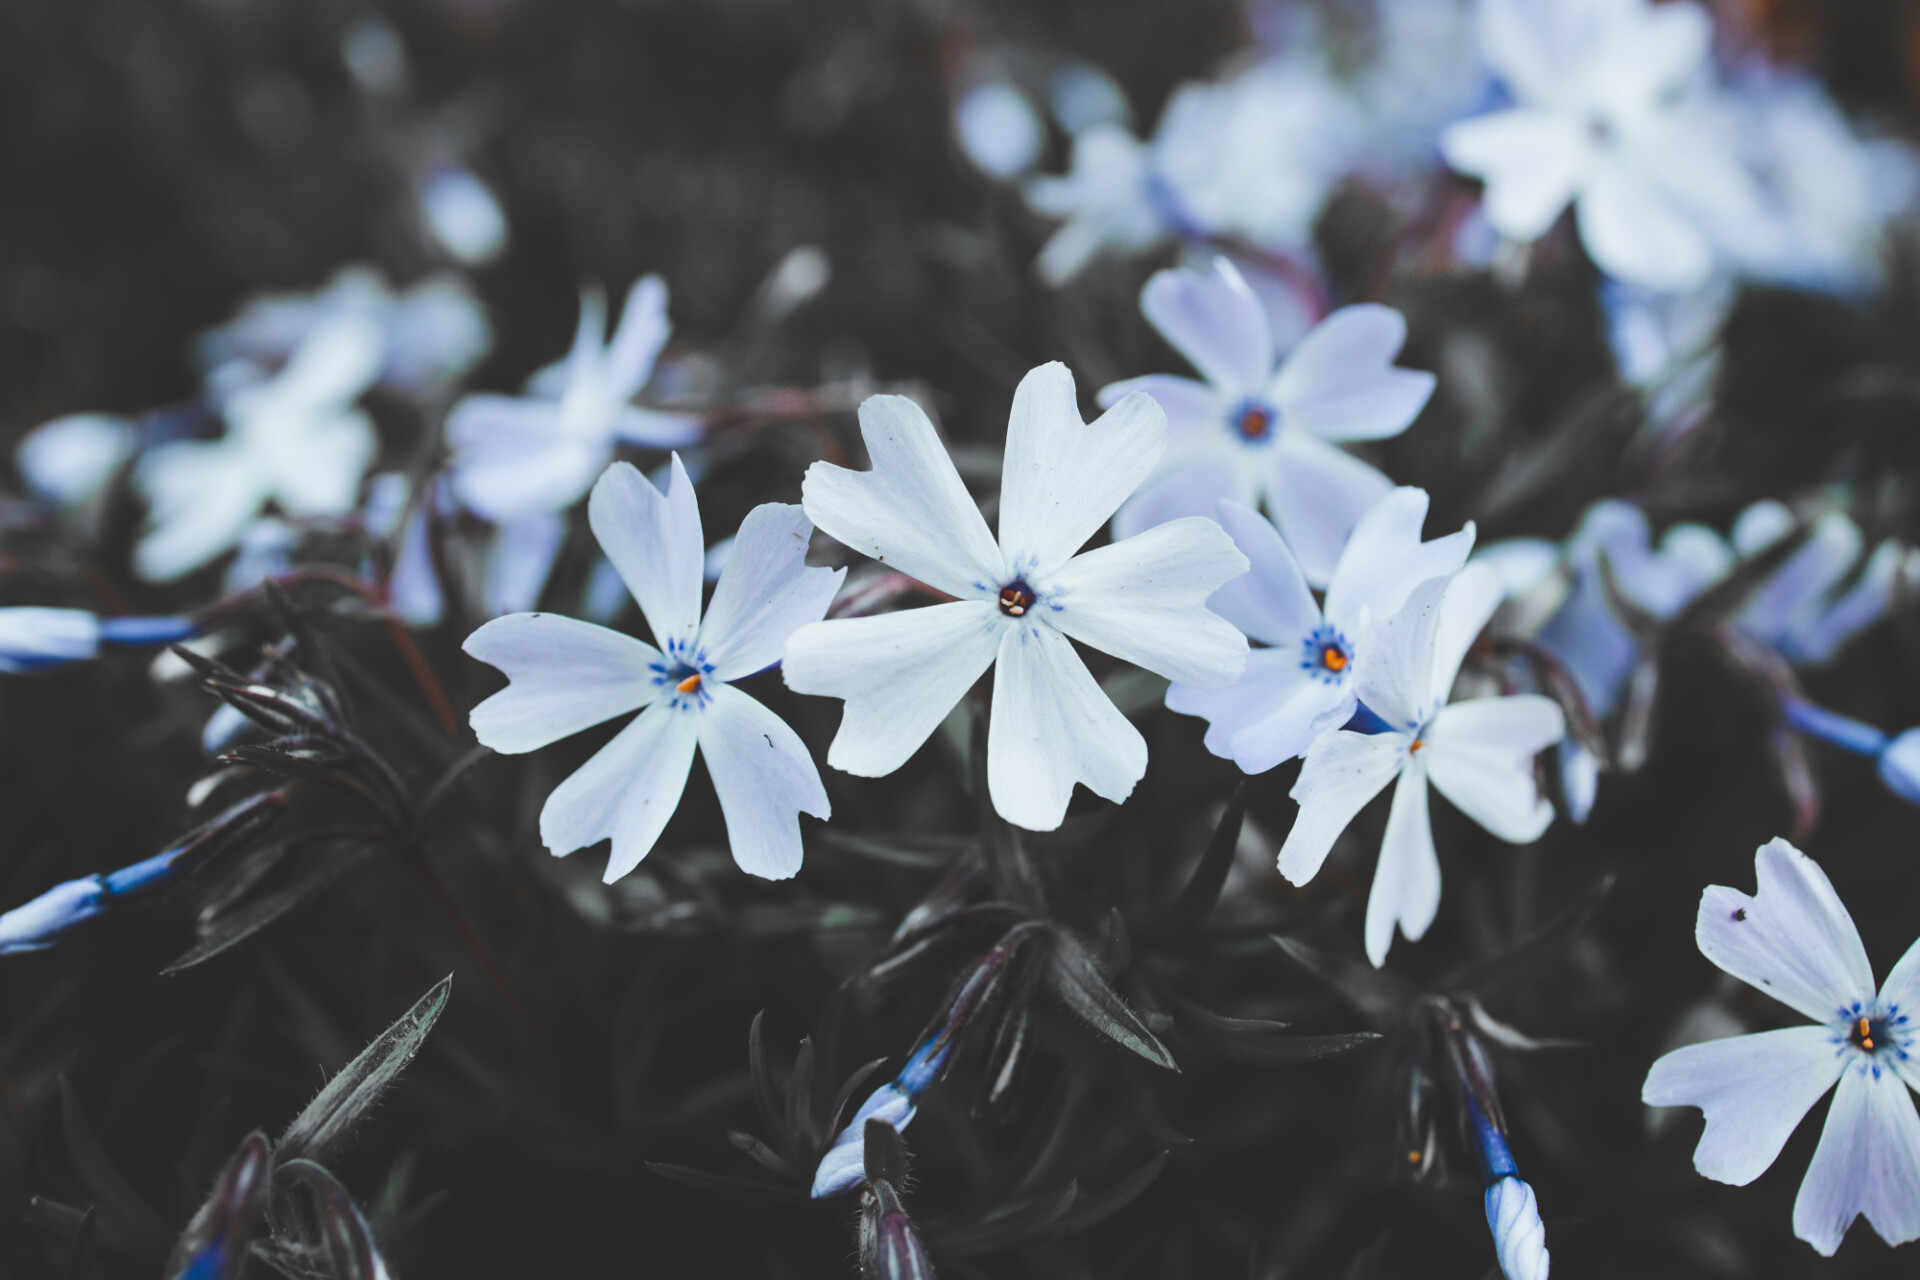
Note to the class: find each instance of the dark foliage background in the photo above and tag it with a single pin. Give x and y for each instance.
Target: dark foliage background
(165, 160)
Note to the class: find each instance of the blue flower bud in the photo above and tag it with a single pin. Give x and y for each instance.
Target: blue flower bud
(843, 1167)
(43, 921)
(1900, 766)
(34, 639)
(1519, 1239)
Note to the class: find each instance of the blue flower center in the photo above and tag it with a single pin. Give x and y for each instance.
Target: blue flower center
(1253, 421)
(683, 675)
(1325, 654)
(1877, 1031)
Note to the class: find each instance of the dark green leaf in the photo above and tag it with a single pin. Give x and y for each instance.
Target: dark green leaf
(350, 1095)
(1076, 981)
(1190, 910)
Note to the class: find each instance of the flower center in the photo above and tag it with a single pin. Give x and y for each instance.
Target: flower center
(1254, 421)
(689, 685)
(1016, 598)
(1333, 658)
(1869, 1034)
(1414, 747)
(1326, 655)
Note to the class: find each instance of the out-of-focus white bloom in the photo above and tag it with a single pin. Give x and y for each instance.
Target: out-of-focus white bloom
(1260, 428)
(38, 924)
(517, 455)
(1794, 940)
(1108, 199)
(997, 128)
(1478, 753)
(294, 439)
(1603, 121)
(1834, 190)
(431, 333)
(1082, 95)
(1899, 766)
(1302, 684)
(1424, 69)
(1519, 1238)
(1654, 333)
(264, 550)
(462, 215)
(1801, 609)
(566, 676)
(33, 638)
(1020, 603)
(65, 461)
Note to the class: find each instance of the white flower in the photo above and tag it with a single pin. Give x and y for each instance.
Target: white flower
(1022, 602)
(462, 215)
(294, 439)
(1260, 427)
(1801, 609)
(515, 455)
(1109, 199)
(1302, 684)
(1601, 122)
(567, 675)
(1479, 753)
(998, 129)
(1795, 941)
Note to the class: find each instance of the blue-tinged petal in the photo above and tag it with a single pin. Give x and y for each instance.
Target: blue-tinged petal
(33, 638)
(1275, 704)
(1340, 383)
(765, 780)
(1196, 413)
(1052, 727)
(41, 922)
(1533, 162)
(1868, 1162)
(1270, 602)
(564, 676)
(1754, 1091)
(1480, 756)
(1317, 493)
(1216, 322)
(1792, 939)
(1636, 233)
(1189, 485)
(627, 790)
(510, 457)
(654, 540)
(66, 460)
(1384, 559)
(765, 593)
(1519, 1237)
(636, 344)
(520, 560)
(1395, 677)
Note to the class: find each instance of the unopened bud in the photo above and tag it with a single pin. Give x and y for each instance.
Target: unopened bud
(1519, 1239)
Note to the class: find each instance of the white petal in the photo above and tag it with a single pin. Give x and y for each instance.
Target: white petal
(200, 495)
(1900, 998)
(1215, 321)
(900, 673)
(1188, 486)
(1519, 1237)
(655, 543)
(1317, 493)
(655, 429)
(636, 343)
(1862, 605)
(627, 791)
(1473, 595)
(1052, 727)
(1533, 163)
(765, 593)
(765, 779)
(1535, 47)
(1754, 1091)
(68, 459)
(1480, 756)
(1384, 559)
(1340, 383)
(1650, 49)
(1145, 601)
(1406, 884)
(316, 470)
(1342, 772)
(563, 676)
(1395, 676)
(1193, 408)
(910, 512)
(1063, 477)
(1270, 602)
(1637, 234)
(1797, 589)
(520, 560)
(1868, 1162)
(510, 458)
(1792, 939)
(338, 359)
(1266, 716)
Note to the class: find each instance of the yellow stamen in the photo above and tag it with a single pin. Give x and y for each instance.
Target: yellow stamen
(1417, 744)
(690, 684)
(1333, 659)
(1413, 1157)
(1866, 1034)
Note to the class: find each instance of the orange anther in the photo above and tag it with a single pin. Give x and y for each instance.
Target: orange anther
(690, 684)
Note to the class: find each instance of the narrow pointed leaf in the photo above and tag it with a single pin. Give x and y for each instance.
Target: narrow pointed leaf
(1076, 981)
(1190, 910)
(350, 1095)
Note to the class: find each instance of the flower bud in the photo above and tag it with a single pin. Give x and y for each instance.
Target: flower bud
(1900, 766)
(1519, 1239)
(43, 921)
(34, 639)
(843, 1167)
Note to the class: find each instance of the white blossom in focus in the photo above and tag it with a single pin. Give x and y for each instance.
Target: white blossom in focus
(1262, 429)
(565, 676)
(1302, 683)
(515, 455)
(1478, 753)
(1794, 940)
(1018, 605)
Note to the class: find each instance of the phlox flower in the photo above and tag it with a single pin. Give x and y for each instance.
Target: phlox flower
(66, 460)
(565, 676)
(294, 439)
(1794, 940)
(1478, 753)
(1020, 603)
(1302, 684)
(1602, 121)
(1806, 609)
(1110, 198)
(514, 455)
(1260, 428)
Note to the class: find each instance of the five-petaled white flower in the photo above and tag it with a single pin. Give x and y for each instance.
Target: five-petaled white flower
(516, 455)
(1479, 753)
(1602, 121)
(1794, 940)
(1022, 602)
(1260, 427)
(1302, 684)
(567, 675)
(294, 439)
